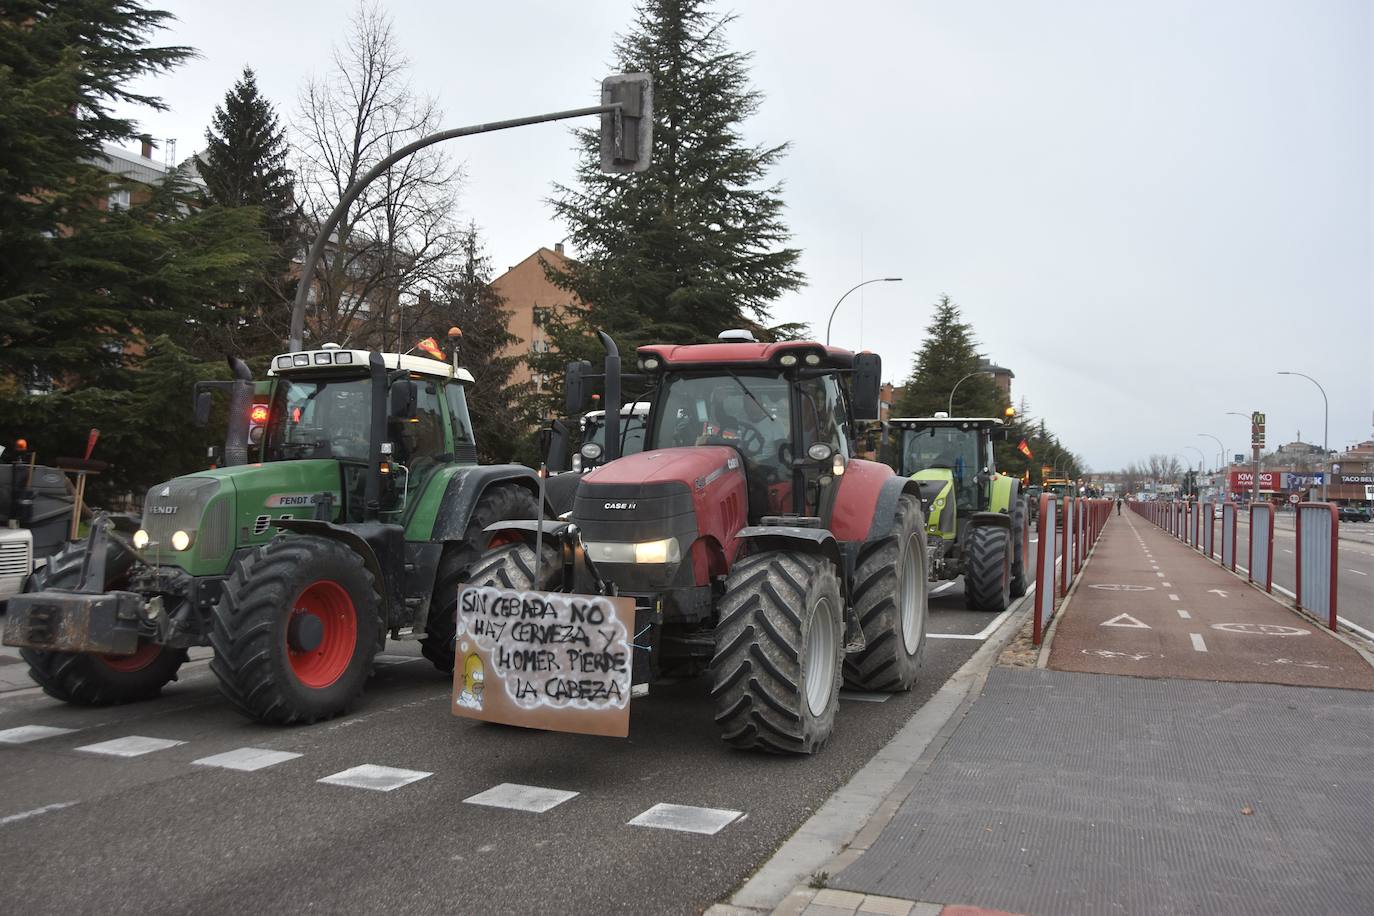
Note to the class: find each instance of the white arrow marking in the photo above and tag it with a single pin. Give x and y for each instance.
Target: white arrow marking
(1125, 620)
(1217, 591)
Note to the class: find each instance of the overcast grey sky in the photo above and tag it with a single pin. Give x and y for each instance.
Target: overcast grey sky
(1145, 209)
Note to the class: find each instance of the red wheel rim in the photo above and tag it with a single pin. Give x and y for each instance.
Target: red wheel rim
(145, 655)
(330, 604)
(502, 538)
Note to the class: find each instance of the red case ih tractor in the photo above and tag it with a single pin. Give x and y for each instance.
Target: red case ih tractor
(755, 547)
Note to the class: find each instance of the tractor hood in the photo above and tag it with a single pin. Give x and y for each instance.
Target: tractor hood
(695, 466)
(225, 509)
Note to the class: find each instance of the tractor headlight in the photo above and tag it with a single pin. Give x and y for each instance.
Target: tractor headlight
(813, 359)
(664, 550)
(591, 451)
(140, 539)
(787, 359)
(181, 540)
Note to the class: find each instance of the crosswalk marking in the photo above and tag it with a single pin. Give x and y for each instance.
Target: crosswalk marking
(132, 746)
(520, 798)
(246, 759)
(23, 734)
(374, 777)
(686, 818)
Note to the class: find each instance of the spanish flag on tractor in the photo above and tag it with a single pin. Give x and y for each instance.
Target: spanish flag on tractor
(430, 346)
(1024, 449)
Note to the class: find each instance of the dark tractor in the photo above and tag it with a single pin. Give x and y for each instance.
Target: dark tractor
(757, 549)
(978, 521)
(365, 512)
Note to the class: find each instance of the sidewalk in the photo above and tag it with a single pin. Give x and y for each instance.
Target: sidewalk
(1193, 789)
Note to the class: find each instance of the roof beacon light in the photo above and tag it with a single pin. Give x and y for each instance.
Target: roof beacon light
(737, 335)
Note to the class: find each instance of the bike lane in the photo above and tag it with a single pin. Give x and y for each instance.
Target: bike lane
(1150, 606)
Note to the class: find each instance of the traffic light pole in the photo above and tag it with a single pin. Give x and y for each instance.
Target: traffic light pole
(626, 143)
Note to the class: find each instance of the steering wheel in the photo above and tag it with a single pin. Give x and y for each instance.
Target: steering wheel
(751, 441)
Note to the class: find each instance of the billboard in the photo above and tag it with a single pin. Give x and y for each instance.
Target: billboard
(1244, 481)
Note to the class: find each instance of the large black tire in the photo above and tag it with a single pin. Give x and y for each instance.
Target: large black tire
(987, 568)
(512, 566)
(97, 680)
(775, 674)
(1019, 520)
(497, 504)
(892, 600)
(268, 662)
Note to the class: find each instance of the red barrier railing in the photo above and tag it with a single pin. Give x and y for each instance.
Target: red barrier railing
(1318, 532)
(1072, 525)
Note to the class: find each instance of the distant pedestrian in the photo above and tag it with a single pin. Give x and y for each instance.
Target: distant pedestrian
(1118, 505)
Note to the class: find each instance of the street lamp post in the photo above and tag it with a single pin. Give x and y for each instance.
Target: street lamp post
(1221, 453)
(842, 298)
(1326, 415)
(956, 388)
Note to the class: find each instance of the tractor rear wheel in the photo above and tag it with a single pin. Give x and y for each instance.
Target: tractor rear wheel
(987, 568)
(97, 680)
(497, 504)
(295, 631)
(775, 674)
(890, 596)
(1019, 519)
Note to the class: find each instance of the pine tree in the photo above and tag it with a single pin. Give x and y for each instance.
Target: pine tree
(502, 412)
(696, 243)
(64, 64)
(245, 165)
(949, 354)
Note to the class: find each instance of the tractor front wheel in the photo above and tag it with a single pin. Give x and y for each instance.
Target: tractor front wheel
(775, 674)
(497, 504)
(295, 631)
(97, 680)
(987, 568)
(891, 599)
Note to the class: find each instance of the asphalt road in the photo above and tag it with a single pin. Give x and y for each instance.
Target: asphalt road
(82, 832)
(1354, 565)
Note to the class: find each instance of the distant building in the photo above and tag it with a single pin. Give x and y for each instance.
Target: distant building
(531, 298)
(1001, 377)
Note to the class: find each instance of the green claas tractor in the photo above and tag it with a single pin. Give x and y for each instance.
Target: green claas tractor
(976, 519)
(366, 509)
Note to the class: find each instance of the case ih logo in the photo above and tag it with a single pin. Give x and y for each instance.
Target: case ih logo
(619, 506)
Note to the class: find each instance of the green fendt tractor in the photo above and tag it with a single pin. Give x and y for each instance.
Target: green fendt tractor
(363, 512)
(976, 518)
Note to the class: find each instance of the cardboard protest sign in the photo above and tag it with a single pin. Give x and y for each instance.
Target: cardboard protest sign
(546, 660)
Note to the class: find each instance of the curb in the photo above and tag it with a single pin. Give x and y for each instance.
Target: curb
(853, 817)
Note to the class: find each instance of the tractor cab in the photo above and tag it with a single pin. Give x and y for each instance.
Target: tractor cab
(952, 459)
(592, 450)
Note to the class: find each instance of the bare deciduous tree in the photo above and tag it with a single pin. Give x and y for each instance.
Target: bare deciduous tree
(399, 239)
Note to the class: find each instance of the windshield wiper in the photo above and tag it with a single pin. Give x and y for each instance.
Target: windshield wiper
(745, 388)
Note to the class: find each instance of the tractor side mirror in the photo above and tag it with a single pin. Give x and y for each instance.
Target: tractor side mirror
(866, 386)
(405, 396)
(202, 408)
(577, 391)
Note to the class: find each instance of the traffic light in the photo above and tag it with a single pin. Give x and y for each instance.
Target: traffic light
(627, 135)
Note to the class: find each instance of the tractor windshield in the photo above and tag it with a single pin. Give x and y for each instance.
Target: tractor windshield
(631, 432)
(945, 447)
(322, 418)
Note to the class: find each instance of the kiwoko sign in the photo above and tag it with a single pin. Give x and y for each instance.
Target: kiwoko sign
(1245, 480)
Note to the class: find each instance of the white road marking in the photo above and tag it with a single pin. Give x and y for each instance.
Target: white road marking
(1263, 629)
(1218, 591)
(132, 746)
(26, 733)
(1125, 620)
(1198, 644)
(1160, 574)
(520, 798)
(246, 759)
(940, 588)
(1108, 653)
(687, 818)
(376, 778)
(1184, 614)
(1166, 584)
(1173, 597)
(986, 631)
(1286, 550)
(1356, 572)
(865, 697)
(397, 659)
(24, 815)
